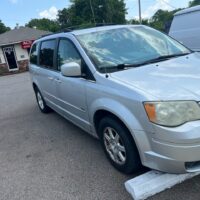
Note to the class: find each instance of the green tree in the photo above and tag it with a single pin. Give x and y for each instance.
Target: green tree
(83, 12)
(162, 19)
(44, 24)
(64, 18)
(194, 3)
(115, 11)
(136, 21)
(3, 28)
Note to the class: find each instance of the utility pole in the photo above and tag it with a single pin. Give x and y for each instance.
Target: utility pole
(140, 14)
(92, 10)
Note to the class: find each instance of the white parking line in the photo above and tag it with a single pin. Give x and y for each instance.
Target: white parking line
(153, 182)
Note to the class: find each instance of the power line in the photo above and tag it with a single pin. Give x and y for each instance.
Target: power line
(140, 12)
(169, 4)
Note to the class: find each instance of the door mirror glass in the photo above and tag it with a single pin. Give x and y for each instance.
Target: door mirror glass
(71, 69)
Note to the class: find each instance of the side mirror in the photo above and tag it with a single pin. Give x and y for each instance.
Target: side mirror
(71, 69)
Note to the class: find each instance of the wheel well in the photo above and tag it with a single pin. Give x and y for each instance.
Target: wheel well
(100, 114)
(34, 86)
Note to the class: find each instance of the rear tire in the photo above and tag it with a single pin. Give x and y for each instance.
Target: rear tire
(119, 145)
(41, 102)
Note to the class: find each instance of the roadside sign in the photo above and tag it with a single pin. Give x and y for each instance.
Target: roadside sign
(26, 44)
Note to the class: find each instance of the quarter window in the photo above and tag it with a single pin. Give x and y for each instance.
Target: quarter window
(67, 53)
(34, 54)
(47, 54)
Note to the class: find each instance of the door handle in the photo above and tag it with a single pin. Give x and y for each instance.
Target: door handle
(50, 78)
(58, 80)
(35, 72)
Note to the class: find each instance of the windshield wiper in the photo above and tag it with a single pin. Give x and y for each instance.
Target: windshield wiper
(171, 56)
(162, 58)
(114, 68)
(124, 66)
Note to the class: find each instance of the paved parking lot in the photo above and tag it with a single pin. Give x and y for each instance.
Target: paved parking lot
(44, 157)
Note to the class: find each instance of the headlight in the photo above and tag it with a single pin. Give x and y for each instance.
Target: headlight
(172, 113)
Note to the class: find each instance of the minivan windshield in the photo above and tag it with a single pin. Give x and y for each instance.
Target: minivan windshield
(129, 46)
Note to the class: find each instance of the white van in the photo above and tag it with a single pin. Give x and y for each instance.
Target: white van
(186, 27)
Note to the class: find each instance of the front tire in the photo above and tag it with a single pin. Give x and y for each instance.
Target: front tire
(41, 103)
(119, 145)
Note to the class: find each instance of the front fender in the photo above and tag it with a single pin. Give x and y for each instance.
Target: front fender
(117, 109)
(127, 117)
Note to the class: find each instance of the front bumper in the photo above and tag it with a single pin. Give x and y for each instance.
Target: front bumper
(173, 150)
(173, 158)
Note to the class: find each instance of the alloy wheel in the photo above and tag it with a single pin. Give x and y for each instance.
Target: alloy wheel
(40, 100)
(114, 146)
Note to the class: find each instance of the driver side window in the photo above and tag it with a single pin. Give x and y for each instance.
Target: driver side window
(67, 53)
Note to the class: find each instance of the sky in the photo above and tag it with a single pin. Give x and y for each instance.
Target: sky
(22, 11)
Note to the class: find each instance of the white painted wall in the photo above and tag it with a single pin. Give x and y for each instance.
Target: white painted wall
(2, 56)
(21, 54)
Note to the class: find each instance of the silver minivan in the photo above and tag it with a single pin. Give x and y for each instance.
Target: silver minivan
(133, 87)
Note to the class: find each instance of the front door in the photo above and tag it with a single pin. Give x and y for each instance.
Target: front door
(9, 53)
(71, 90)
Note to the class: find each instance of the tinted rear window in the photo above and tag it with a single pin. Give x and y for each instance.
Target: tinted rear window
(34, 54)
(47, 53)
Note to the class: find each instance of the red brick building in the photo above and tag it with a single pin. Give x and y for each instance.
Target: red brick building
(14, 48)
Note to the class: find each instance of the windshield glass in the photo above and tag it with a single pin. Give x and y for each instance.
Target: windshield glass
(128, 45)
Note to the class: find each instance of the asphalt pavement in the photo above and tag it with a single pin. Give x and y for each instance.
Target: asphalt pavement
(45, 157)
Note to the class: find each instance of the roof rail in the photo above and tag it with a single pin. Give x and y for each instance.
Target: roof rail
(84, 26)
(66, 30)
(77, 27)
(46, 35)
(104, 24)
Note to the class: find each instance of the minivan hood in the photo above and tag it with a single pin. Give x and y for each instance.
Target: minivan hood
(174, 79)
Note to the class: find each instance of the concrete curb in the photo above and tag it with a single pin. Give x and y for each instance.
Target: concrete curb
(153, 182)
